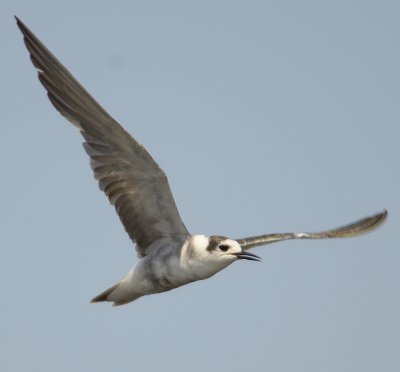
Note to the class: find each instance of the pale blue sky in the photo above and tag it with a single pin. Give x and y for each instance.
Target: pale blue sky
(267, 116)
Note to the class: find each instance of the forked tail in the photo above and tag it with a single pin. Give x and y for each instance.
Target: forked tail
(104, 296)
(119, 294)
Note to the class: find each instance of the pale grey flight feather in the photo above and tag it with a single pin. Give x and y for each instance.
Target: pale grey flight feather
(132, 180)
(353, 229)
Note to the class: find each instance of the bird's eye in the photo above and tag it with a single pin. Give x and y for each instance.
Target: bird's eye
(224, 247)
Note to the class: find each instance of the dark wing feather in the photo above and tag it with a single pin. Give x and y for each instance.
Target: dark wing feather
(359, 227)
(126, 172)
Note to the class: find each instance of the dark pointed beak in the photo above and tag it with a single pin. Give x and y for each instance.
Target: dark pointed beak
(244, 255)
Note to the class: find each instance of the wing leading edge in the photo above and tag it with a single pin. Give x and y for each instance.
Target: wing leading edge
(359, 227)
(132, 180)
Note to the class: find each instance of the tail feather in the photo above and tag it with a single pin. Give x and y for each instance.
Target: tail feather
(120, 294)
(104, 296)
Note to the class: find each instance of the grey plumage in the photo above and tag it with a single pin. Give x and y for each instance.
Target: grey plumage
(359, 227)
(132, 180)
(137, 187)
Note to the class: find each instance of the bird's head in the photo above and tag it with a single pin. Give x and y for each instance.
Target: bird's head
(211, 254)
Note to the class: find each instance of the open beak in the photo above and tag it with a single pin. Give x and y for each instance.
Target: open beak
(244, 255)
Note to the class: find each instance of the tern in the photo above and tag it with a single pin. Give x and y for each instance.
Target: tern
(169, 256)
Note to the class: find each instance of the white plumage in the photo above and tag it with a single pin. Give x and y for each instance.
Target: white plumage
(169, 256)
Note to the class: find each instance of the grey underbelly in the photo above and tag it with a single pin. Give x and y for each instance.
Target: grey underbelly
(165, 273)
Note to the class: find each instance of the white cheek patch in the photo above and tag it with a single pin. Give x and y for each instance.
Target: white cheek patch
(234, 246)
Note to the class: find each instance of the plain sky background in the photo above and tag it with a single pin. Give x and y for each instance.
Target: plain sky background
(267, 116)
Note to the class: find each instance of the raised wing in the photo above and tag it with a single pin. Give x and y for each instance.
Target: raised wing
(126, 172)
(359, 227)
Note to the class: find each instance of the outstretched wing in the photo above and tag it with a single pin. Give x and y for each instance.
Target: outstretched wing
(126, 172)
(359, 227)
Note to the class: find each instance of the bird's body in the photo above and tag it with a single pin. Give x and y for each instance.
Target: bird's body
(170, 264)
(169, 256)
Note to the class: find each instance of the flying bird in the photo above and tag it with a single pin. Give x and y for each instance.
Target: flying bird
(169, 256)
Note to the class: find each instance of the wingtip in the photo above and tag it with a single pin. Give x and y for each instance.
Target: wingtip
(17, 20)
(381, 217)
(363, 226)
(20, 24)
(371, 223)
(385, 214)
